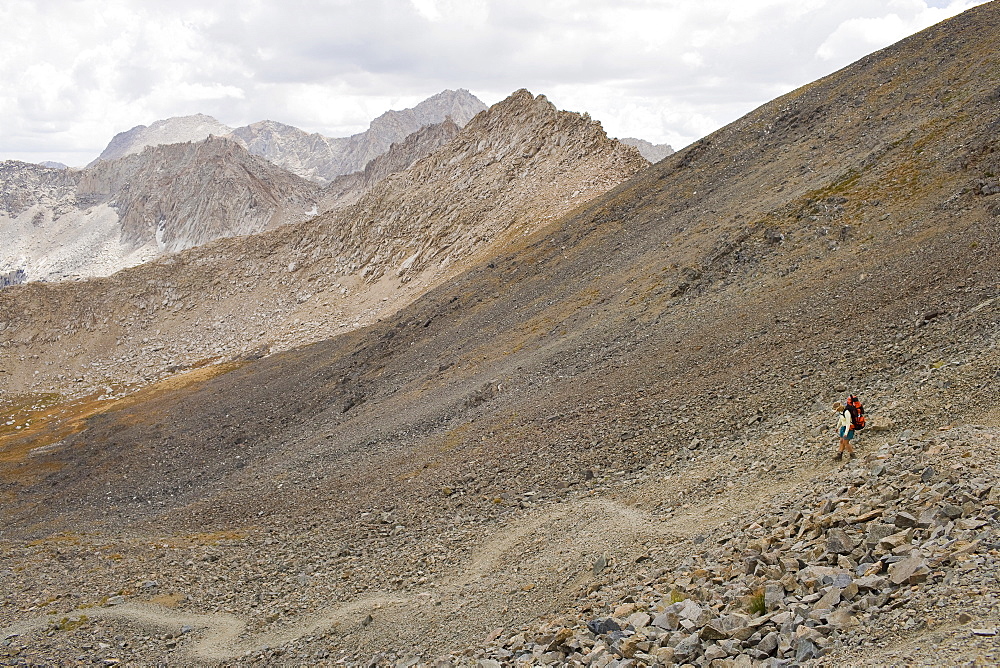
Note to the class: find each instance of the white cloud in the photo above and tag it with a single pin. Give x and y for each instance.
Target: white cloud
(75, 72)
(856, 37)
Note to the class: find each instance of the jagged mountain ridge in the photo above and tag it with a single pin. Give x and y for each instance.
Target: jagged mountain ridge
(650, 151)
(506, 173)
(321, 159)
(175, 130)
(310, 155)
(523, 141)
(594, 415)
(123, 212)
(347, 189)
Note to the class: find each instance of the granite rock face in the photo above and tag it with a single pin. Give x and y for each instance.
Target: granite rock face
(176, 130)
(648, 150)
(321, 159)
(309, 155)
(181, 195)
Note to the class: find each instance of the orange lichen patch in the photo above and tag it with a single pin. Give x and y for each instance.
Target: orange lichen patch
(46, 422)
(18, 413)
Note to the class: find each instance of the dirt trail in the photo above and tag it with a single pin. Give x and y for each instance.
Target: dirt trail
(541, 556)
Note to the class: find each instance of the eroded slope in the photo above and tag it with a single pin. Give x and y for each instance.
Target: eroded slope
(508, 172)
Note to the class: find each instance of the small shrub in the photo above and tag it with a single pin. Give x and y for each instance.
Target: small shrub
(67, 624)
(756, 605)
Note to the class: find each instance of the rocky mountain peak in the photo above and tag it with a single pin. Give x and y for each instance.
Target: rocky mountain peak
(182, 195)
(458, 105)
(321, 159)
(169, 131)
(511, 168)
(650, 151)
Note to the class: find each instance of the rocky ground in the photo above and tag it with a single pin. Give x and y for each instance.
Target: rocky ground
(770, 556)
(608, 443)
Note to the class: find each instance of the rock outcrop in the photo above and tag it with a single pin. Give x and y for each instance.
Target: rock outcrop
(321, 159)
(176, 130)
(650, 151)
(24, 185)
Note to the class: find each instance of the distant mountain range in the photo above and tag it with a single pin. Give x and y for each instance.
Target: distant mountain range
(648, 150)
(180, 182)
(309, 155)
(414, 217)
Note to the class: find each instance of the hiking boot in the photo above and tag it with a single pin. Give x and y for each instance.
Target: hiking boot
(837, 456)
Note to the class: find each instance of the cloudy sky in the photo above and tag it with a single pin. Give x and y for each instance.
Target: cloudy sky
(75, 72)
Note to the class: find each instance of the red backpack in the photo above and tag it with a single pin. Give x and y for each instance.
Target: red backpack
(857, 412)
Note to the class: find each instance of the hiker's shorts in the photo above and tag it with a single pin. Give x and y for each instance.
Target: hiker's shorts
(848, 436)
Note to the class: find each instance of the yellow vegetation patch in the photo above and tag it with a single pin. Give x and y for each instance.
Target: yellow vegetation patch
(217, 537)
(45, 421)
(57, 539)
(202, 538)
(454, 438)
(19, 412)
(71, 623)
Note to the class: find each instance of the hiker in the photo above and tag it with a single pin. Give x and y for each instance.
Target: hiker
(845, 430)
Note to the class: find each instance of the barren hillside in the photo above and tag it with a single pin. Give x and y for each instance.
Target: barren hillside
(609, 441)
(61, 224)
(507, 173)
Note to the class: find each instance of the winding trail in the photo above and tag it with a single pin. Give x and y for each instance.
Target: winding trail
(534, 544)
